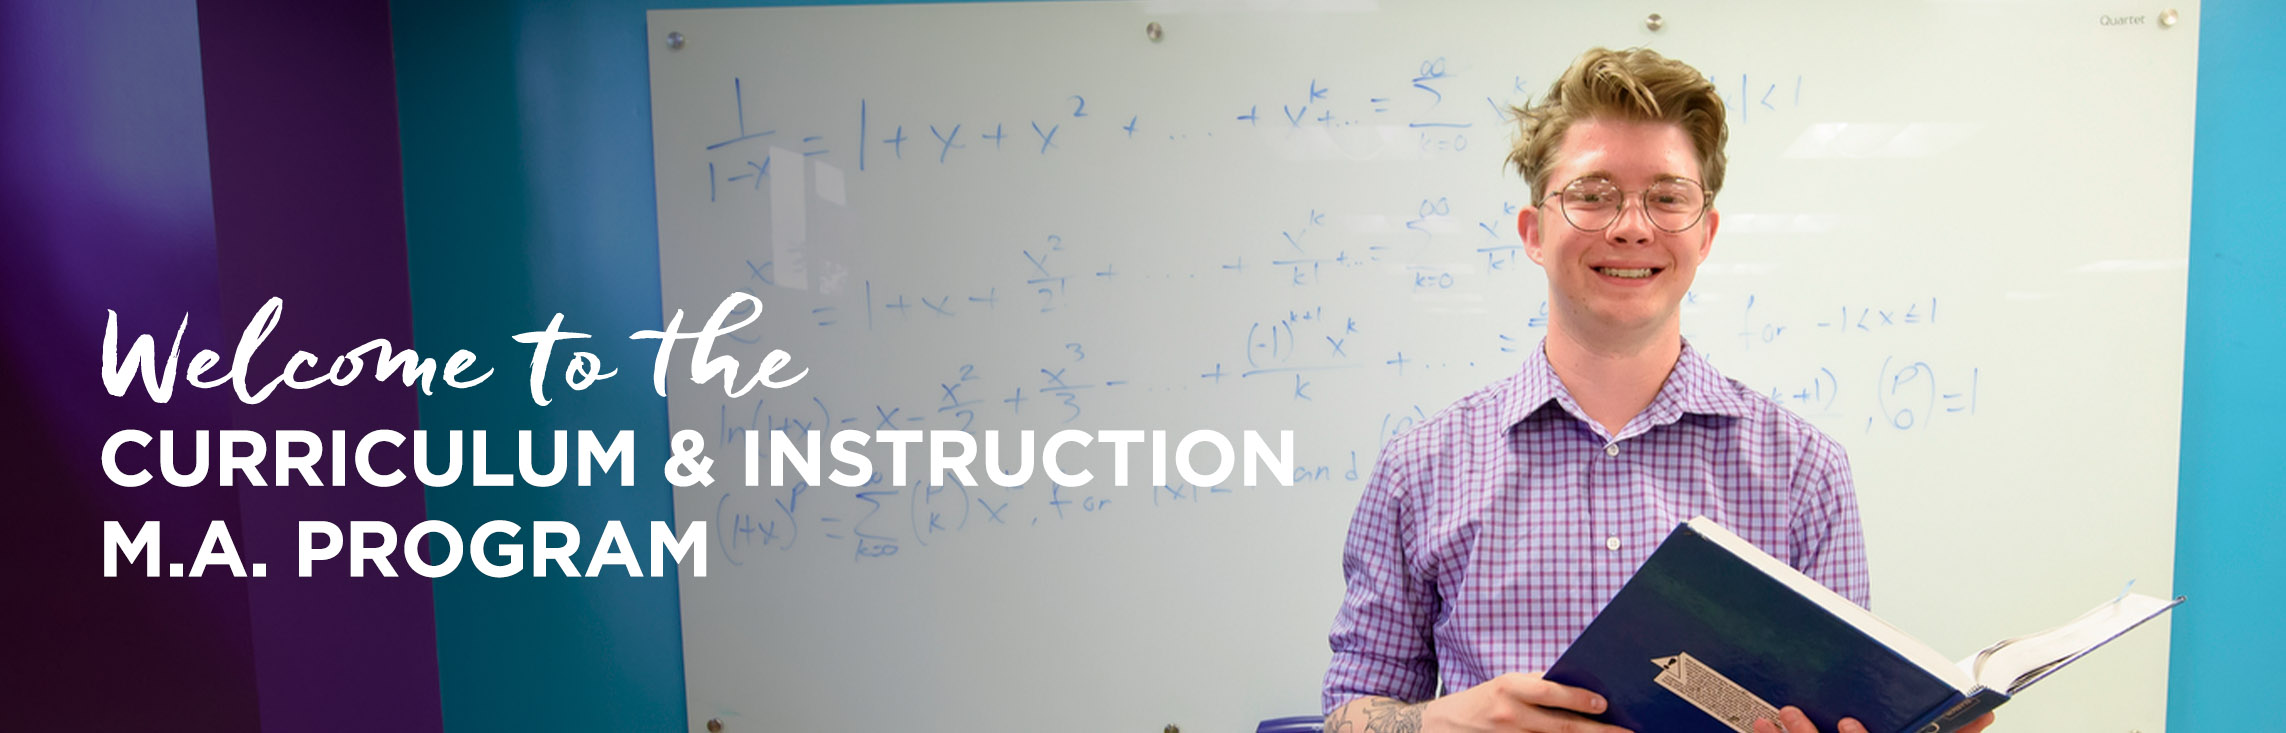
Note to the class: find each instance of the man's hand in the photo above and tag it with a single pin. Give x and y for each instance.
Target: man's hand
(1791, 720)
(1516, 702)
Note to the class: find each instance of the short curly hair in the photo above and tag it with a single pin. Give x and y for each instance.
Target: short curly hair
(1636, 84)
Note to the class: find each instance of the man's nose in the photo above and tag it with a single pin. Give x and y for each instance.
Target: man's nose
(1633, 226)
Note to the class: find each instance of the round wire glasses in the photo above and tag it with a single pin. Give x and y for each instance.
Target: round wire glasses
(1593, 203)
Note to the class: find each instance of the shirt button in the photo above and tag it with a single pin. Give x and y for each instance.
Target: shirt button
(1611, 450)
(1611, 543)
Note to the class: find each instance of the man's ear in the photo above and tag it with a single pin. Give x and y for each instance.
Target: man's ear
(1528, 229)
(1714, 221)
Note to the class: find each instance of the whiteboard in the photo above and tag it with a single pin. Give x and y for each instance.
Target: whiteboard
(1954, 237)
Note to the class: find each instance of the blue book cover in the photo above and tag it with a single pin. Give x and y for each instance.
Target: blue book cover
(1712, 633)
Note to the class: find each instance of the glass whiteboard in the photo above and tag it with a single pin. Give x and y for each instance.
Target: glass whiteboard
(1954, 236)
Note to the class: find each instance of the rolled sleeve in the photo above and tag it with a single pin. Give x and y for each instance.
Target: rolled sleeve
(1381, 637)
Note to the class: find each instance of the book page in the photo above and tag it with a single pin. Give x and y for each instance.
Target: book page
(2015, 664)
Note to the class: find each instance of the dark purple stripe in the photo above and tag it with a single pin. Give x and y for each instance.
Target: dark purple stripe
(308, 206)
(104, 205)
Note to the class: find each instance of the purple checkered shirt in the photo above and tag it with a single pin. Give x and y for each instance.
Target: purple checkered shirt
(1492, 533)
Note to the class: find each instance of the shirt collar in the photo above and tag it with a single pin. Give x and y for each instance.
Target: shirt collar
(1696, 388)
(1693, 388)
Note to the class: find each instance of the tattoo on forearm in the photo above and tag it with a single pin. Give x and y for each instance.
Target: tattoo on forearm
(1391, 716)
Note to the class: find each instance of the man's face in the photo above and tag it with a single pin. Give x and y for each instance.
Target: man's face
(1597, 286)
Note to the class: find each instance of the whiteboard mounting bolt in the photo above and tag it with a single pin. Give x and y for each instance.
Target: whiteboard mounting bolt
(713, 725)
(1153, 31)
(2168, 17)
(675, 40)
(1654, 22)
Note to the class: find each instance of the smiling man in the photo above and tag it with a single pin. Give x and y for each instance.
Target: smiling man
(1492, 533)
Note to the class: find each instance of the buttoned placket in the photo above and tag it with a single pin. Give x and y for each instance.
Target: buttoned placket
(1610, 473)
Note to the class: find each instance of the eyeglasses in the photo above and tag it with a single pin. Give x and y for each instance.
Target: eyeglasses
(1592, 204)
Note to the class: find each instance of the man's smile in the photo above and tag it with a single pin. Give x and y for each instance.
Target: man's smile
(1629, 273)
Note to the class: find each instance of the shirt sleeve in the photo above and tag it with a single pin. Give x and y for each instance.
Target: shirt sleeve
(1829, 542)
(1381, 638)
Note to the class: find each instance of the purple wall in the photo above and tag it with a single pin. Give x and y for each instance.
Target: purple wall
(173, 157)
(301, 120)
(103, 176)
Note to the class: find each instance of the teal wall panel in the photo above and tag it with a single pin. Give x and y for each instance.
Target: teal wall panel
(528, 193)
(2232, 496)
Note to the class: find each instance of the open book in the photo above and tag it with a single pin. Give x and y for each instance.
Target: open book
(1711, 629)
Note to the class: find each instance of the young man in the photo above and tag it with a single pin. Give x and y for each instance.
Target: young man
(1491, 534)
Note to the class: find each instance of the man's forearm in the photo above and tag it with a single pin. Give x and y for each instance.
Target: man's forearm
(1376, 715)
